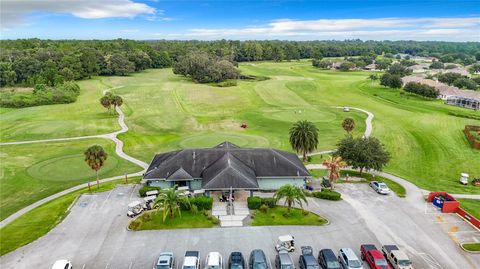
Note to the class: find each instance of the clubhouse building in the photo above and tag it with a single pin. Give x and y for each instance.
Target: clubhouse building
(226, 166)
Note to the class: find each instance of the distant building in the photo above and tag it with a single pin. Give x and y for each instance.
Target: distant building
(370, 67)
(419, 68)
(226, 166)
(450, 94)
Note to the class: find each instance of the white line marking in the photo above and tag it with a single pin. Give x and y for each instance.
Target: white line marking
(106, 199)
(83, 266)
(131, 263)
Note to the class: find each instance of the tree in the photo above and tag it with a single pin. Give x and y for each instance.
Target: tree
(117, 101)
(204, 68)
(348, 125)
(449, 77)
(345, 66)
(373, 77)
(170, 201)
(399, 70)
(383, 63)
(465, 82)
(106, 102)
(436, 65)
(292, 195)
(475, 68)
(304, 137)
(117, 64)
(334, 164)
(8, 77)
(363, 153)
(391, 81)
(421, 89)
(95, 157)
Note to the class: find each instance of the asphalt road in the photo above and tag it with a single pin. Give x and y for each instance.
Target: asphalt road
(94, 233)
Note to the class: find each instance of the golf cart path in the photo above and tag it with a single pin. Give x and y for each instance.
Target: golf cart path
(118, 150)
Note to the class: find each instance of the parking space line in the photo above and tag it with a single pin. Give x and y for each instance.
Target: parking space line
(269, 263)
(131, 264)
(430, 260)
(83, 267)
(106, 266)
(106, 199)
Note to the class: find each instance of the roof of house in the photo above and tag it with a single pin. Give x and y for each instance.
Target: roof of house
(443, 88)
(225, 165)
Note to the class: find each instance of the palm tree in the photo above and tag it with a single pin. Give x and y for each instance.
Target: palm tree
(170, 200)
(95, 157)
(292, 195)
(116, 101)
(334, 165)
(106, 102)
(304, 137)
(348, 125)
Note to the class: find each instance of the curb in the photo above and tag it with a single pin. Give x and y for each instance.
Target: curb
(469, 251)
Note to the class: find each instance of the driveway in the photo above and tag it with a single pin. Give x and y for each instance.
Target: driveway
(94, 234)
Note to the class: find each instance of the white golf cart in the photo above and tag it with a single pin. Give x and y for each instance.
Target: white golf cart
(149, 202)
(464, 178)
(134, 208)
(285, 242)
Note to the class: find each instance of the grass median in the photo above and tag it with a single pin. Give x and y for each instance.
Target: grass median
(279, 216)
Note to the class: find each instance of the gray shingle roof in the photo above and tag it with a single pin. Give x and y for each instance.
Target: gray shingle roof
(226, 165)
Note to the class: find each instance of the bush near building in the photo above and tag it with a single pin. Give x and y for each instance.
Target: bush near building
(327, 194)
(421, 89)
(256, 202)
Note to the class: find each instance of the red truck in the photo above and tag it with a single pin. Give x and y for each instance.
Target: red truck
(373, 257)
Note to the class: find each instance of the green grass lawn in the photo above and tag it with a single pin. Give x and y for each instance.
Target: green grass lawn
(472, 206)
(30, 172)
(275, 216)
(186, 220)
(472, 246)
(37, 222)
(425, 138)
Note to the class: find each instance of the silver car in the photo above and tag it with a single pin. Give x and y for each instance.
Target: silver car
(380, 187)
(348, 259)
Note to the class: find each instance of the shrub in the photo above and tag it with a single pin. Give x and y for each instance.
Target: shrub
(286, 214)
(327, 195)
(146, 217)
(134, 225)
(143, 190)
(305, 212)
(263, 208)
(227, 83)
(270, 202)
(205, 213)
(194, 209)
(254, 202)
(202, 202)
(215, 220)
(391, 81)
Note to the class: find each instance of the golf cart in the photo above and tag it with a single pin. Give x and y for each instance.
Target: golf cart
(464, 178)
(326, 182)
(134, 209)
(149, 202)
(285, 242)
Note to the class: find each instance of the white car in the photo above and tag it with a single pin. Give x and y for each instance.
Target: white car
(62, 264)
(214, 261)
(348, 259)
(380, 187)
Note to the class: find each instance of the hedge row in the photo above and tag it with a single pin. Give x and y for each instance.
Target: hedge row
(327, 194)
(201, 202)
(256, 202)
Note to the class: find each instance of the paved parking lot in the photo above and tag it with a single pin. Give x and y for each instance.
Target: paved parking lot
(94, 234)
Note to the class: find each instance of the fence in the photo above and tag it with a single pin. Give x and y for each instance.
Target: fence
(473, 141)
(451, 205)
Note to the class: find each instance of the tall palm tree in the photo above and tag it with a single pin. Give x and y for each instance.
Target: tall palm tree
(348, 125)
(170, 200)
(95, 157)
(292, 195)
(334, 165)
(116, 101)
(304, 137)
(106, 102)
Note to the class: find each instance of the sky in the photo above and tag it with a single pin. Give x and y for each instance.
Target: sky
(443, 20)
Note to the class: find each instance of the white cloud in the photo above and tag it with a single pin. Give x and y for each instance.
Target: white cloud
(13, 12)
(455, 29)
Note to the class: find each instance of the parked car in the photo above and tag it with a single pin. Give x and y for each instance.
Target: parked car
(214, 261)
(258, 260)
(373, 257)
(307, 260)
(348, 259)
(62, 264)
(380, 187)
(283, 260)
(191, 260)
(327, 259)
(236, 261)
(165, 261)
(397, 258)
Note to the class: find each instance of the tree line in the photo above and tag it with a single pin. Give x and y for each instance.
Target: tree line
(28, 62)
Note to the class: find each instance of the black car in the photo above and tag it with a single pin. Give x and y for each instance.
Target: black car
(236, 261)
(257, 260)
(307, 260)
(327, 259)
